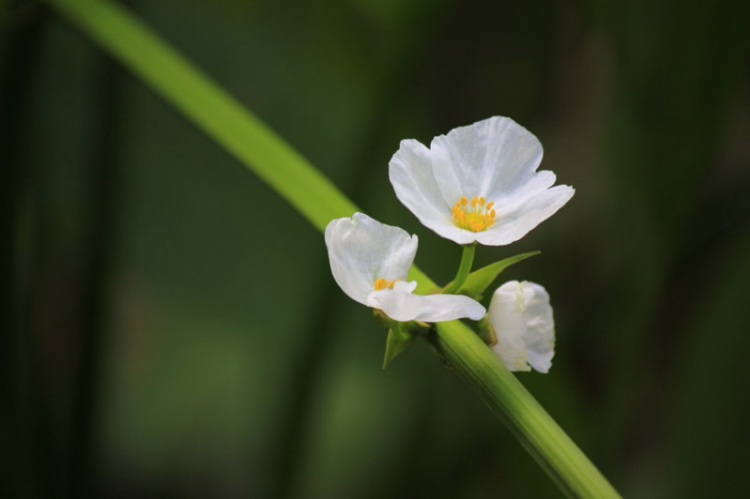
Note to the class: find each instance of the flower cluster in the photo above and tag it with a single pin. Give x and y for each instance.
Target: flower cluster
(477, 184)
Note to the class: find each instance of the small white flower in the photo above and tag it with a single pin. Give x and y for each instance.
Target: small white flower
(478, 183)
(370, 262)
(521, 316)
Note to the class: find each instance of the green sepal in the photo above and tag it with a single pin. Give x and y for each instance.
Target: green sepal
(398, 340)
(479, 280)
(486, 331)
(381, 318)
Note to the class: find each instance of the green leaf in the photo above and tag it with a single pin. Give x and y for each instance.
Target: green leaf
(398, 340)
(479, 280)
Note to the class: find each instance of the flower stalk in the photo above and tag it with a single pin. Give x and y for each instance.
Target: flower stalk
(225, 120)
(464, 268)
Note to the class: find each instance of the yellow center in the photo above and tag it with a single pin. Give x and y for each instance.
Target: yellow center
(382, 284)
(475, 215)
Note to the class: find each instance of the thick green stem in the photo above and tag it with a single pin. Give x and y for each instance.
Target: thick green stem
(547, 443)
(261, 151)
(209, 107)
(464, 268)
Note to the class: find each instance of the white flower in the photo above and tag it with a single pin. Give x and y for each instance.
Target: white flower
(370, 262)
(478, 183)
(521, 317)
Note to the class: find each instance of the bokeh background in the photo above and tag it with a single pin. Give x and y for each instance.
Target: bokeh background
(170, 327)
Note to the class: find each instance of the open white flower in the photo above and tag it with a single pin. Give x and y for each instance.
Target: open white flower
(478, 183)
(370, 262)
(521, 316)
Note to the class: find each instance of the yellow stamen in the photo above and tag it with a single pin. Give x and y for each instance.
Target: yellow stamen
(381, 284)
(475, 218)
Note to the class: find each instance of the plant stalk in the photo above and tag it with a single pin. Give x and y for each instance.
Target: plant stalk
(509, 400)
(464, 268)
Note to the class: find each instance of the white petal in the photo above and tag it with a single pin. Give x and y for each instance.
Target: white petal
(361, 250)
(536, 184)
(401, 305)
(412, 176)
(521, 218)
(495, 158)
(521, 315)
(482, 156)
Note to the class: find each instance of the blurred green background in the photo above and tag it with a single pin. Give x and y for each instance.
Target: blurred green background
(170, 327)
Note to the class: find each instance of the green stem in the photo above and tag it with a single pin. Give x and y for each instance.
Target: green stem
(539, 434)
(464, 268)
(209, 107)
(267, 155)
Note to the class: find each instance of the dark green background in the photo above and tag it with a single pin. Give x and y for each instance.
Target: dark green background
(170, 327)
